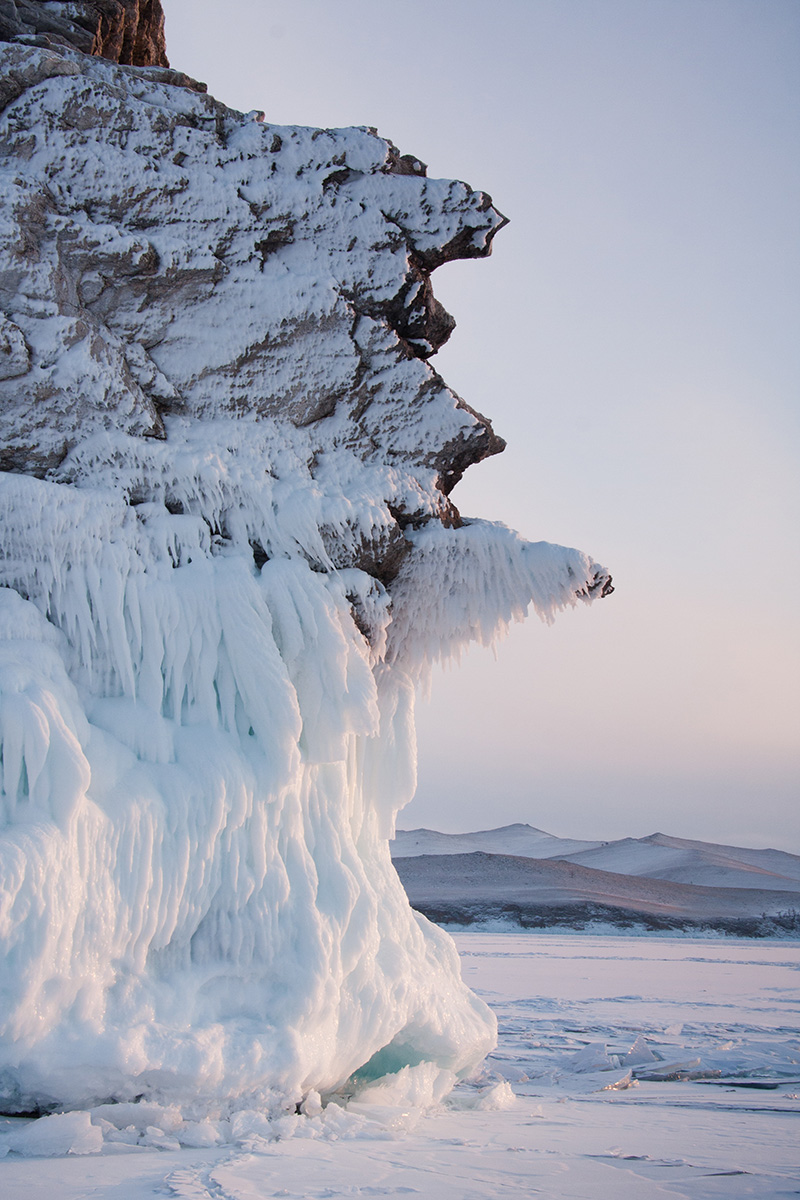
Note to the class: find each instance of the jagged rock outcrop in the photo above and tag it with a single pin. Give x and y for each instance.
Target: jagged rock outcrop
(170, 258)
(124, 31)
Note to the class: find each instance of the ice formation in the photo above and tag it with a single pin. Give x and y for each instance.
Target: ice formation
(228, 555)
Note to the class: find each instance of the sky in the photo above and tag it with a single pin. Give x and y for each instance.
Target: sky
(634, 338)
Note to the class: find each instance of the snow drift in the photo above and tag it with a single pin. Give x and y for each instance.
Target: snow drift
(228, 555)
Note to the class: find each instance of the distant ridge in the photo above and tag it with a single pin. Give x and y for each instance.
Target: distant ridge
(525, 876)
(508, 839)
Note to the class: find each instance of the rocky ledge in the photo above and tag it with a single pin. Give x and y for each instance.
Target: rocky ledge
(164, 259)
(124, 31)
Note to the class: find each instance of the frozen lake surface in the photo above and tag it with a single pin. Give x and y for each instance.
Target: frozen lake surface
(641, 1067)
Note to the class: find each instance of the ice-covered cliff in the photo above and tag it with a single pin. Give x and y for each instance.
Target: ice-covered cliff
(228, 553)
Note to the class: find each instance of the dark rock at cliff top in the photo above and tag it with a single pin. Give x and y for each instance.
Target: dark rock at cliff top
(124, 31)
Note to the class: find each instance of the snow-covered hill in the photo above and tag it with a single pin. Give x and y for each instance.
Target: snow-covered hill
(509, 839)
(523, 874)
(681, 860)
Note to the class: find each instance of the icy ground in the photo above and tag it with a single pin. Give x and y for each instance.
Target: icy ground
(710, 1028)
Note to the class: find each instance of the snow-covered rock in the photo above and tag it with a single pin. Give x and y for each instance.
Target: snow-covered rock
(228, 554)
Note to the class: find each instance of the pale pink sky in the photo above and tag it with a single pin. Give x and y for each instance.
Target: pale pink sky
(634, 338)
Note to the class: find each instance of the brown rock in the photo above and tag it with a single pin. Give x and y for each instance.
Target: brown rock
(124, 31)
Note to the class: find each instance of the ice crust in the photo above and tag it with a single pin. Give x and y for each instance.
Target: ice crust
(693, 1092)
(213, 432)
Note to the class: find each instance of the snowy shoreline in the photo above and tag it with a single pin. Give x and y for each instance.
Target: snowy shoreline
(656, 1068)
(599, 928)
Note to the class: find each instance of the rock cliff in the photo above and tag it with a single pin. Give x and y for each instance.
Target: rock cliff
(125, 31)
(167, 258)
(229, 552)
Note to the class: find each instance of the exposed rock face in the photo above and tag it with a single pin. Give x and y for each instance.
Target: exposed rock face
(125, 31)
